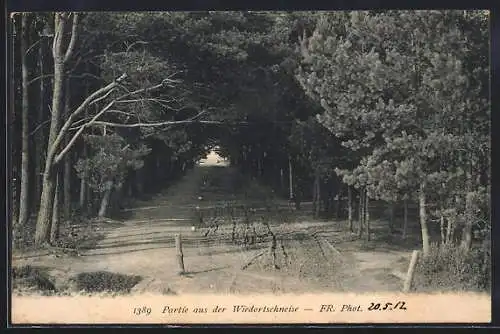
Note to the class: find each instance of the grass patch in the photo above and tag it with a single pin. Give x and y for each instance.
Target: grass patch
(103, 281)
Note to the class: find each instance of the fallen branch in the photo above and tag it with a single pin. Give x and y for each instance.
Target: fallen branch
(283, 250)
(399, 275)
(331, 247)
(252, 259)
(274, 244)
(319, 245)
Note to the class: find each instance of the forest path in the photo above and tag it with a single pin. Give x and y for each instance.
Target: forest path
(143, 244)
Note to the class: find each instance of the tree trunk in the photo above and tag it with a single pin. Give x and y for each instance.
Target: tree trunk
(117, 196)
(54, 228)
(24, 191)
(67, 158)
(337, 203)
(349, 207)
(290, 177)
(130, 189)
(83, 182)
(47, 197)
(105, 199)
(467, 230)
(449, 229)
(67, 186)
(158, 169)
(14, 172)
(83, 200)
(139, 182)
(469, 209)
(423, 220)
(405, 218)
(361, 212)
(442, 229)
(40, 134)
(282, 181)
(259, 167)
(391, 217)
(316, 199)
(367, 217)
(46, 203)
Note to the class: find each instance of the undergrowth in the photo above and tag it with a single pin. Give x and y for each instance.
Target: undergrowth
(32, 278)
(450, 268)
(101, 281)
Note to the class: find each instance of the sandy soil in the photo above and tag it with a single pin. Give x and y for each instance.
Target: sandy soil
(143, 244)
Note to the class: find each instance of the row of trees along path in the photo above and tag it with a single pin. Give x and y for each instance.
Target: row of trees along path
(143, 244)
(356, 106)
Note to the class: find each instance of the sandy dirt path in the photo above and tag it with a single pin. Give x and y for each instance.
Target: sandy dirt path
(143, 244)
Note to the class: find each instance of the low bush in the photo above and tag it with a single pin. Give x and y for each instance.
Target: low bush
(31, 277)
(103, 281)
(450, 268)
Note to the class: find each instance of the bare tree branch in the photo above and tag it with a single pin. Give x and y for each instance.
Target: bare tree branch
(137, 42)
(81, 55)
(74, 36)
(91, 100)
(102, 97)
(75, 65)
(32, 46)
(77, 125)
(137, 125)
(38, 127)
(121, 112)
(157, 124)
(162, 102)
(142, 90)
(55, 41)
(94, 121)
(40, 77)
(62, 132)
(59, 157)
(85, 75)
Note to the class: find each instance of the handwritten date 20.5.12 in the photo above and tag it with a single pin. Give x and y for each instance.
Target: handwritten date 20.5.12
(400, 305)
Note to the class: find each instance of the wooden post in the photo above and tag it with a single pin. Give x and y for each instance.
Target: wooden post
(411, 271)
(180, 256)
